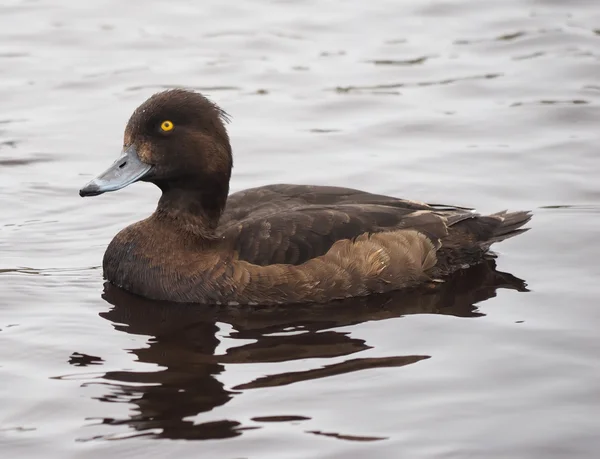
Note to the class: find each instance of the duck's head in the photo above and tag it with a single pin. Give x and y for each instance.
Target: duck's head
(177, 140)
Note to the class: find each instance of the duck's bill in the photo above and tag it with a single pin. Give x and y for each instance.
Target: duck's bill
(126, 170)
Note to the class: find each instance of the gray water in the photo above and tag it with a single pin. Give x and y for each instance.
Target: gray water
(489, 104)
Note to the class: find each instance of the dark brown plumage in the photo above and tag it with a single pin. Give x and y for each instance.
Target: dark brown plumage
(274, 244)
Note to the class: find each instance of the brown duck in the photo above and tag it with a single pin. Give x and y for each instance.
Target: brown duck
(274, 244)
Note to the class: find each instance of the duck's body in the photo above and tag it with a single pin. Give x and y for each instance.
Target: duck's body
(274, 244)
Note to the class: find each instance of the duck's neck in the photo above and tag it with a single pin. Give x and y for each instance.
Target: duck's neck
(193, 208)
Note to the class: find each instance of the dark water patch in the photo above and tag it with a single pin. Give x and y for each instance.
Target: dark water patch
(15, 162)
(157, 429)
(13, 55)
(280, 418)
(9, 144)
(47, 271)
(332, 53)
(332, 370)
(552, 102)
(513, 36)
(397, 41)
(346, 437)
(17, 429)
(324, 131)
(83, 360)
(574, 208)
(20, 270)
(9, 121)
(448, 81)
(533, 55)
(401, 62)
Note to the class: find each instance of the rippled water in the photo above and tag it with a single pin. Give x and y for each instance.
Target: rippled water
(492, 104)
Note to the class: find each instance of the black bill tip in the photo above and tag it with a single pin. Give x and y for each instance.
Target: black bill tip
(91, 189)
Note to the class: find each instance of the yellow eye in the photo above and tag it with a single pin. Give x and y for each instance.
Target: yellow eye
(166, 126)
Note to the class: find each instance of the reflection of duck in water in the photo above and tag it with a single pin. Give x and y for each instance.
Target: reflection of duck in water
(183, 343)
(278, 244)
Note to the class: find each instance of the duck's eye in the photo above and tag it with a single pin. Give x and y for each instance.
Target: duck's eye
(166, 126)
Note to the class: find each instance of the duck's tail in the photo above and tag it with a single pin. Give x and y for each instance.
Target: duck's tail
(510, 224)
(471, 235)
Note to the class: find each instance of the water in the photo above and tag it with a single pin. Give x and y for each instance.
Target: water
(487, 104)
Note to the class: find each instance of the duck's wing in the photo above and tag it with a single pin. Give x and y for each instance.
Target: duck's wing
(294, 223)
(265, 200)
(292, 235)
(285, 223)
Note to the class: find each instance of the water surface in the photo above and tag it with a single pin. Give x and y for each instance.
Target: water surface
(479, 103)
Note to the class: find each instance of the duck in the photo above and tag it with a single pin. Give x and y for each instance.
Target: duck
(273, 244)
